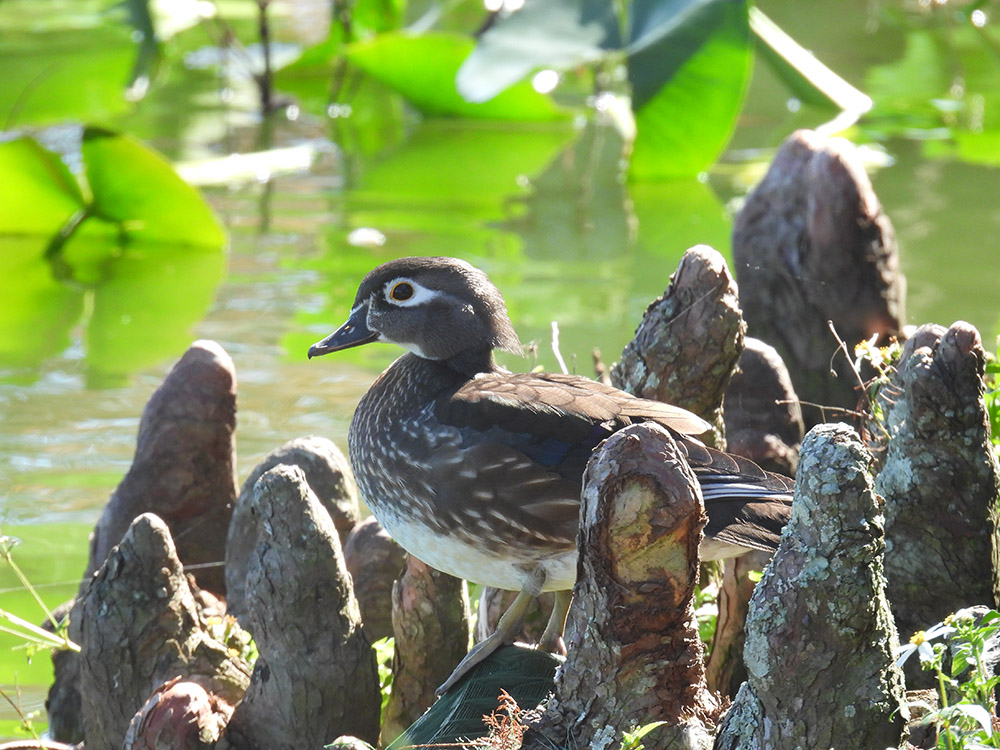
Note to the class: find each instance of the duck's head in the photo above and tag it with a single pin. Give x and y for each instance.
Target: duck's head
(438, 308)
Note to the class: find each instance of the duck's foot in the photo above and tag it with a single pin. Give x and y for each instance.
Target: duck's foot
(507, 628)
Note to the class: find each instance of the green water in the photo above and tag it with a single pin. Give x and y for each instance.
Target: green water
(541, 208)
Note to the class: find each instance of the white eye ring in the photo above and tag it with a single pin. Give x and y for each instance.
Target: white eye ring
(405, 292)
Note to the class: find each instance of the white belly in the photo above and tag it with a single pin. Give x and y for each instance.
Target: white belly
(461, 559)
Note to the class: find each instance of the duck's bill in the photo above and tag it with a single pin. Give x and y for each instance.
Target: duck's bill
(353, 333)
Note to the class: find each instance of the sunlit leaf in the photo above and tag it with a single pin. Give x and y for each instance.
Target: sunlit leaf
(430, 85)
(684, 124)
(314, 61)
(916, 95)
(975, 148)
(664, 34)
(973, 711)
(544, 33)
(135, 186)
(37, 192)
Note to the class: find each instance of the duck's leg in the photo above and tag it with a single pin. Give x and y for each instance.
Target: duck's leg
(507, 629)
(551, 639)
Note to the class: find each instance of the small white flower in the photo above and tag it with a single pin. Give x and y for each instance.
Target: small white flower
(920, 642)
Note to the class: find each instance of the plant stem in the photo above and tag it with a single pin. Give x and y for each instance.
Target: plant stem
(944, 704)
(9, 559)
(39, 634)
(266, 79)
(25, 721)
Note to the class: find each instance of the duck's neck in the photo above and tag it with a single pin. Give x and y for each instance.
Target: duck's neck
(411, 381)
(471, 363)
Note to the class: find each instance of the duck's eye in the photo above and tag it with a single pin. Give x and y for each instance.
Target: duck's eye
(401, 291)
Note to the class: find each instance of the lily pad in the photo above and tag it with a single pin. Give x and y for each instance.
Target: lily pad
(38, 192)
(137, 188)
(430, 85)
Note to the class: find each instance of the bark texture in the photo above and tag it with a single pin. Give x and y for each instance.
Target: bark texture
(329, 477)
(635, 656)
(762, 412)
(940, 480)
(430, 617)
(810, 245)
(764, 423)
(315, 678)
(820, 637)
(374, 561)
(184, 466)
(138, 626)
(62, 705)
(689, 340)
(725, 670)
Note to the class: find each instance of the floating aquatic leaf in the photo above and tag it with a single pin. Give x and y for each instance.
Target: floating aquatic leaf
(38, 193)
(136, 187)
(430, 86)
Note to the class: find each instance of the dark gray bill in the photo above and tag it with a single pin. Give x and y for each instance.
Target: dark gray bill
(353, 333)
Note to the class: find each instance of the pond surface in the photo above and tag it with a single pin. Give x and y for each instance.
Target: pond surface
(541, 208)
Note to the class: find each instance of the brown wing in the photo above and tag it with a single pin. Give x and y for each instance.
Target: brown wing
(532, 435)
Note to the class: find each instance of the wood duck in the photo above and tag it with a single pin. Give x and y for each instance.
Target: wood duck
(477, 471)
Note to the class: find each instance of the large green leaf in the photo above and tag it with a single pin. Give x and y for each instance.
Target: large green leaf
(365, 116)
(665, 34)
(906, 88)
(315, 62)
(684, 124)
(374, 16)
(423, 68)
(543, 33)
(38, 194)
(136, 187)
